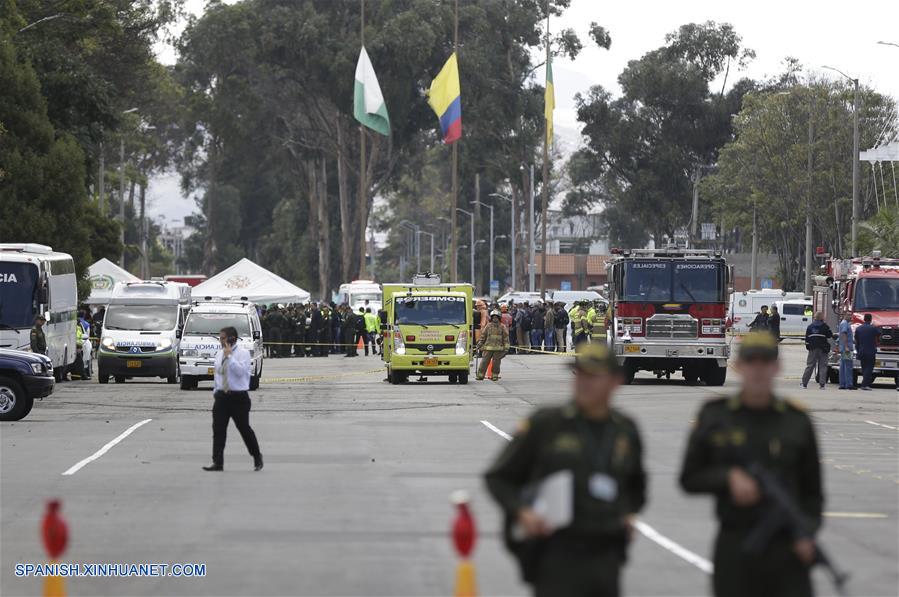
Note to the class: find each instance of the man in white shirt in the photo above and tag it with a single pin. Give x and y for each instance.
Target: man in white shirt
(232, 400)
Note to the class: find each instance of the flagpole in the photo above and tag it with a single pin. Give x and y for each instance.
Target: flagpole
(454, 272)
(546, 141)
(363, 183)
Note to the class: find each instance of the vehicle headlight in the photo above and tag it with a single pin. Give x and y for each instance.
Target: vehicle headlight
(189, 352)
(108, 342)
(163, 343)
(37, 368)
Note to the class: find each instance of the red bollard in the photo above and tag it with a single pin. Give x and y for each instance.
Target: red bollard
(55, 534)
(464, 535)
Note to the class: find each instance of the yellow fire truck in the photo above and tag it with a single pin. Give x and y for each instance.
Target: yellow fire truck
(427, 329)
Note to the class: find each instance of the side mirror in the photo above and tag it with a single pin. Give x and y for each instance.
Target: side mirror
(43, 295)
(382, 315)
(178, 333)
(256, 334)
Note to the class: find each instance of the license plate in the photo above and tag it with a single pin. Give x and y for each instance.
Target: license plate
(210, 371)
(431, 362)
(133, 364)
(885, 364)
(631, 348)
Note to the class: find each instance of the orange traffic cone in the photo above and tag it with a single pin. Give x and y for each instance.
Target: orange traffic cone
(464, 535)
(489, 374)
(55, 534)
(360, 345)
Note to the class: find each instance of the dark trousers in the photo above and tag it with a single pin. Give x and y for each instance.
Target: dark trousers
(777, 572)
(867, 363)
(232, 405)
(572, 571)
(816, 357)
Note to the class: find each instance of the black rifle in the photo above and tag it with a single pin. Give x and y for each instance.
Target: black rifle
(784, 514)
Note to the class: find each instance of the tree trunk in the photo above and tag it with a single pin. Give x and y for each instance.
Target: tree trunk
(324, 235)
(313, 190)
(346, 216)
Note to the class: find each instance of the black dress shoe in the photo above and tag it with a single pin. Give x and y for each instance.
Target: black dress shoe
(257, 464)
(214, 467)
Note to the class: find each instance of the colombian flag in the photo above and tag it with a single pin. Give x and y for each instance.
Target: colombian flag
(445, 98)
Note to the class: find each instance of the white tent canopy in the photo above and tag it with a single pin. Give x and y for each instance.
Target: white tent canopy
(259, 285)
(103, 275)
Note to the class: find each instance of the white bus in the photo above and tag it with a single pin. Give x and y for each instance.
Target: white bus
(357, 292)
(36, 280)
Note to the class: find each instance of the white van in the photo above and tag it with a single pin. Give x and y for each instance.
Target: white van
(361, 293)
(200, 338)
(795, 316)
(745, 305)
(142, 330)
(570, 297)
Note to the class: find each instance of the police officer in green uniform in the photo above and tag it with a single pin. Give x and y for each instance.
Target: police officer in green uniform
(38, 339)
(601, 448)
(755, 427)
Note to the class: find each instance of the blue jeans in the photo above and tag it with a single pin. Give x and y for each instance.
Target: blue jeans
(846, 373)
(536, 339)
(549, 336)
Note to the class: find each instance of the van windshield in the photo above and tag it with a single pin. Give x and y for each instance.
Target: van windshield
(877, 294)
(141, 318)
(431, 310)
(209, 324)
(18, 283)
(361, 297)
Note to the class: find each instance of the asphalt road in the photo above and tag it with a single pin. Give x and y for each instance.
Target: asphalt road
(353, 499)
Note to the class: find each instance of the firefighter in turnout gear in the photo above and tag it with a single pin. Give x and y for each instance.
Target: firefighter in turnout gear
(596, 317)
(597, 449)
(580, 324)
(493, 344)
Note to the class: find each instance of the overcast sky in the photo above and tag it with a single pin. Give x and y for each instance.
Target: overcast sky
(843, 35)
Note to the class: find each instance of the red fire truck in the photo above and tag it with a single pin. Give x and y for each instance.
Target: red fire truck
(858, 286)
(667, 312)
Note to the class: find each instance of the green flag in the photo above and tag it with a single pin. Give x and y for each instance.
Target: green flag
(368, 102)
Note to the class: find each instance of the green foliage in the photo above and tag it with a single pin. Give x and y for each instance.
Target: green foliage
(644, 147)
(880, 233)
(766, 166)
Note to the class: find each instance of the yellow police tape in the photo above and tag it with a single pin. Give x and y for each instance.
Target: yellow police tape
(308, 378)
(539, 351)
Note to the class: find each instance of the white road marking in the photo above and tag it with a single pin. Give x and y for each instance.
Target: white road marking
(855, 515)
(496, 430)
(881, 425)
(644, 529)
(78, 466)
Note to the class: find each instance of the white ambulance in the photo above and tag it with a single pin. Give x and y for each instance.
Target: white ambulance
(142, 330)
(200, 338)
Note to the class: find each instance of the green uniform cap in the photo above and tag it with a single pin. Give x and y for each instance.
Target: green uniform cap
(595, 358)
(758, 345)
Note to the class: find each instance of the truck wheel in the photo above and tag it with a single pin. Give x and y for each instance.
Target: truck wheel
(833, 375)
(188, 382)
(715, 375)
(102, 375)
(254, 382)
(120, 379)
(691, 375)
(14, 404)
(463, 378)
(629, 373)
(392, 377)
(174, 378)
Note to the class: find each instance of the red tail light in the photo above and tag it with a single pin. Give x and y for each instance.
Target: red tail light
(410, 338)
(449, 338)
(711, 327)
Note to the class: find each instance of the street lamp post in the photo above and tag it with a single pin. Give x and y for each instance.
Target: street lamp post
(855, 165)
(432, 247)
(456, 256)
(490, 207)
(415, 242)
(471, 216)
(512, 233)
(122, 192)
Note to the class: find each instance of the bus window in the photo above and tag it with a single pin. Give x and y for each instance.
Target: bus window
(18, 285)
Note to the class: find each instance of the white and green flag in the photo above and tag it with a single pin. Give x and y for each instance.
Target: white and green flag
(368, 103)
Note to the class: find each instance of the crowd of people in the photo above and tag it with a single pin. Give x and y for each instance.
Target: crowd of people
(545, 327)
(319, 330)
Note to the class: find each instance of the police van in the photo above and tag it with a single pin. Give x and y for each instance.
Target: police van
(142, 330)
(200, 338)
